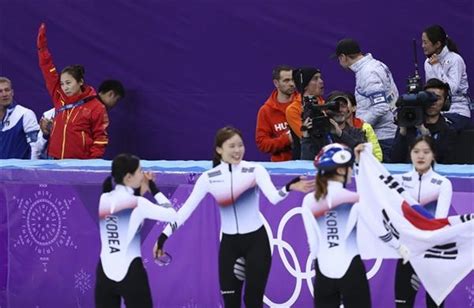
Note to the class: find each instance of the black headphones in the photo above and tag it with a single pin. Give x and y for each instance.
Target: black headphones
(447, 100)
(435, 83)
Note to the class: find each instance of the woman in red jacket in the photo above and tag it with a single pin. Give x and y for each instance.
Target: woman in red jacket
(80, 123)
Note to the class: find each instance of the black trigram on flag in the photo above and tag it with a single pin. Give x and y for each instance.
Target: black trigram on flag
(447, 251)
(390, 228)
(391, 183)
(466, 217)
(173, 225)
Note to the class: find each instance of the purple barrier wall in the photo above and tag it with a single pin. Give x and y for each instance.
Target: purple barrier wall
(52, 244)
(192, 67)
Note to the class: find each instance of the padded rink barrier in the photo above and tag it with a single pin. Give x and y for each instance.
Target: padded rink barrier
(463, 151)
(50, 245)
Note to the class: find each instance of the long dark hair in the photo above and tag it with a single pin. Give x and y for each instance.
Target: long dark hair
(436, 33)
(121, 165)
(222, 136)
(428, 141)
(322, 179)
(321, 185)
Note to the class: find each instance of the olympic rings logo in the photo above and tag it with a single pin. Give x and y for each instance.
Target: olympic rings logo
(296, 271)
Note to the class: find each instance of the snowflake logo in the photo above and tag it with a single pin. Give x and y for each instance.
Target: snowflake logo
(470, 291)
(174, 201)
(191, 304)
(82, 281)
(43, 226)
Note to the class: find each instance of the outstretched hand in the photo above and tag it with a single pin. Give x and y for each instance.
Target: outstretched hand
(157, 252)
(434, 59)
(357, 150)
(145, 185)
(41, 41)
(148, 176)
(303, 185)
(404, 252)
(335, 129)
(45, 126)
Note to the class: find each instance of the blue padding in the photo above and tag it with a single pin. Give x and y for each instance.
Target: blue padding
(289, 167)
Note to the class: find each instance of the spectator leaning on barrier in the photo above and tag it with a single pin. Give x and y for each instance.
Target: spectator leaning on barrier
(434, 125)
(272, 134)
(444, 62)
(18, 126)
(375, 92)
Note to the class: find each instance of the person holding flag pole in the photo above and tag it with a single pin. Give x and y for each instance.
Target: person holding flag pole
(330, 216)
(433, 193)
(440, 248)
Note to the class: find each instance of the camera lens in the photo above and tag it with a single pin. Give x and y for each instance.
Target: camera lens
(410, 116)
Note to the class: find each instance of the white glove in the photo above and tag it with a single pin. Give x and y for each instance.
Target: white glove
(404, 252)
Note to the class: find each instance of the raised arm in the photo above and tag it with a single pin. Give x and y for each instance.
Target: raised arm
(50, 75)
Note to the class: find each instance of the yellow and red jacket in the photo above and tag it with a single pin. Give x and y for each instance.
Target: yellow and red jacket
(79, 132)
(370, 136)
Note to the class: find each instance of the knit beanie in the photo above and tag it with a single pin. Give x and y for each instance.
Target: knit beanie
(302, 76)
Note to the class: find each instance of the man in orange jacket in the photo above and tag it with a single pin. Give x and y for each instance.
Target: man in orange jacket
(309, 81)
(272, 133)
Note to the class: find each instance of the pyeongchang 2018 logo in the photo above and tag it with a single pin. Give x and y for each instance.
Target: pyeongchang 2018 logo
(42, 226)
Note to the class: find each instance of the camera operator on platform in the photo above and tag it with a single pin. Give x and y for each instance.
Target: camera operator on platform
(326, 124)
(428, 123)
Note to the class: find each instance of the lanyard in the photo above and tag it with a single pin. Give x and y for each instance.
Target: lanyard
(76, 104)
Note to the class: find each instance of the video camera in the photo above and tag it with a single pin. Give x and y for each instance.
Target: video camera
(412, 106)
(311, 109)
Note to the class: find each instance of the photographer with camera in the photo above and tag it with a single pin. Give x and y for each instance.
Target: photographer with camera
(352, 120)
(326, 124)
(420, 115)
(309, 82)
